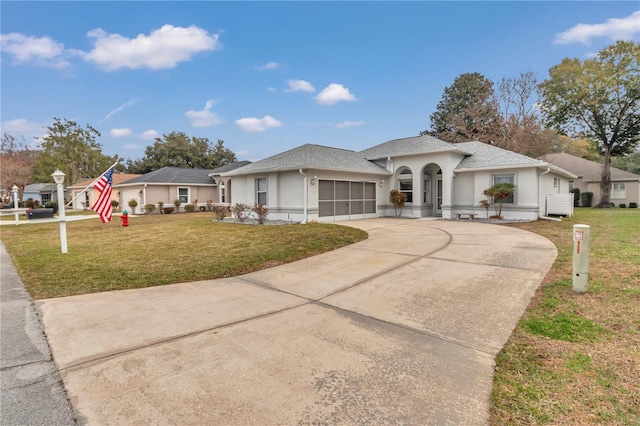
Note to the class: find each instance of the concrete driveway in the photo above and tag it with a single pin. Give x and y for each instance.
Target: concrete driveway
(400, 328)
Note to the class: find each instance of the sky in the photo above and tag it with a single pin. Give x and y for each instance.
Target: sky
(266, 77)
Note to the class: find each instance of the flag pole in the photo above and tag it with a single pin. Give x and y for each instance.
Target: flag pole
(92, 183)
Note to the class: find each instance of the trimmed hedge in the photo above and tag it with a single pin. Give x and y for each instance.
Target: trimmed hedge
(587, 199)
(576, 197)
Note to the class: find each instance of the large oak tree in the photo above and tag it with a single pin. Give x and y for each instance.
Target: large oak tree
(598, 98)
(179, 150)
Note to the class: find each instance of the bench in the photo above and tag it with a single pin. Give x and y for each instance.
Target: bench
(40, 214)
(469, 215)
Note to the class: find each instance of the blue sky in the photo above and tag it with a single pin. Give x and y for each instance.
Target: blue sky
(270, 76)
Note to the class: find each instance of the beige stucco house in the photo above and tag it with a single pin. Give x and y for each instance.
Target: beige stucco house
(625, 186)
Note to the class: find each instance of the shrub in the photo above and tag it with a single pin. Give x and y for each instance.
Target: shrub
(499, 192)
(587, 199)
(576, 197)
(220, 212)
(149, 208)
(133, 203)
(168, 210)
(623, 206)
(202, 208)
(633, 205)
(51, 205)
(177, 203)
(398, 199)
(31, 203)
(260, 211)
(189, 208)
(241, 211)
(114, 204)
(160, 206)
(612, 204)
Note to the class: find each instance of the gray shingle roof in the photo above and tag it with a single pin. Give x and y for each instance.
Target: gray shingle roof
(37, 187)
(311, 156)
(229, 167)
(175, 175)
(408, 146)
(585, 169)
(488, 156)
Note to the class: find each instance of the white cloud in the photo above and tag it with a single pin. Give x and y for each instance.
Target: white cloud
(268, 66)
(347, 124)
(614, 28)
(271, 89)
(120, 108)
(42, 51)
(149, 134)
(299, 86)
(119, 133)
(20, 125)
(131, 146)
(242, 153)
(253, 124)
(333, 94)
(163, 48)
(204, 118)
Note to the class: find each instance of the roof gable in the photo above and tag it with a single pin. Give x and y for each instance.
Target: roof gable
(483, 155)
(422, 144)
(586, 170)
(310, 156)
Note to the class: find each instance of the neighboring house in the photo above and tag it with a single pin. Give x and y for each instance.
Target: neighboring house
(174, 183)
(84, 199)
(42, 192)
(441, 179)
(625, 186)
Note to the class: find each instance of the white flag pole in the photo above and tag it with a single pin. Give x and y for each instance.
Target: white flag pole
(92, 183)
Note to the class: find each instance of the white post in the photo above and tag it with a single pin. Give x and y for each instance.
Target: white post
(14, 190)
(581, 239)
(58, 177)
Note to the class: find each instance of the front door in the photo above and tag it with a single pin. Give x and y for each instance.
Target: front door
(439, 196)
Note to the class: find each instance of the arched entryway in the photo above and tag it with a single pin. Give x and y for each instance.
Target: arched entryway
(432, 193)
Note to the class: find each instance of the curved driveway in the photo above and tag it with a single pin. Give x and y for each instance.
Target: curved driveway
(400, 328)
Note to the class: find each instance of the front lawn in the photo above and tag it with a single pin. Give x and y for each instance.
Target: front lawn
(575, 359)
(157, 249)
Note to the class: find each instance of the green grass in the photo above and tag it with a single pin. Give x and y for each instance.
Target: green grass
(575, 358)
(156, 250)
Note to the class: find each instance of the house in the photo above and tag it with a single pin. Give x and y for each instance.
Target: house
(190, 186)
(83, 200)
(41, 192)
(625, 186)
(440, 179)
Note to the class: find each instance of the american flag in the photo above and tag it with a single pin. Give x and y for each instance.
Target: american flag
(103, 204)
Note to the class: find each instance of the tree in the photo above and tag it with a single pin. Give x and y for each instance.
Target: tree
(467, 111)
(630, 163)
(73, 150)
(598, 98)
(498, 193)
(179, 150)
(17, 162)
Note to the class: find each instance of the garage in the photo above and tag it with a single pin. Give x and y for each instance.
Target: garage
(347, 199)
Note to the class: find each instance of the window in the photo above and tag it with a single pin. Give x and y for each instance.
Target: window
(45, 198)
(183, 195)
(618, 190)
(405, 183)
(570, 184)
(261, 191)
(506, 178)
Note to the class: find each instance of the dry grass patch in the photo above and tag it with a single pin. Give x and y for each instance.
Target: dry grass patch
(575, 359)
(157, 249)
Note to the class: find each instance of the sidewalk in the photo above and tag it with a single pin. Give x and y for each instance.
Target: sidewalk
(31, 390)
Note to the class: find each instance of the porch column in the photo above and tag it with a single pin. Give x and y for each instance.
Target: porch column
(447, 193)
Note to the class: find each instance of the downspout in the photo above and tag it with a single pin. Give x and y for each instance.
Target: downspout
(144, 194)
(540, 213)
(306, 196)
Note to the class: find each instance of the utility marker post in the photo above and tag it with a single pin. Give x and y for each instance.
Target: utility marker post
(580, 257)
(58, 177)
